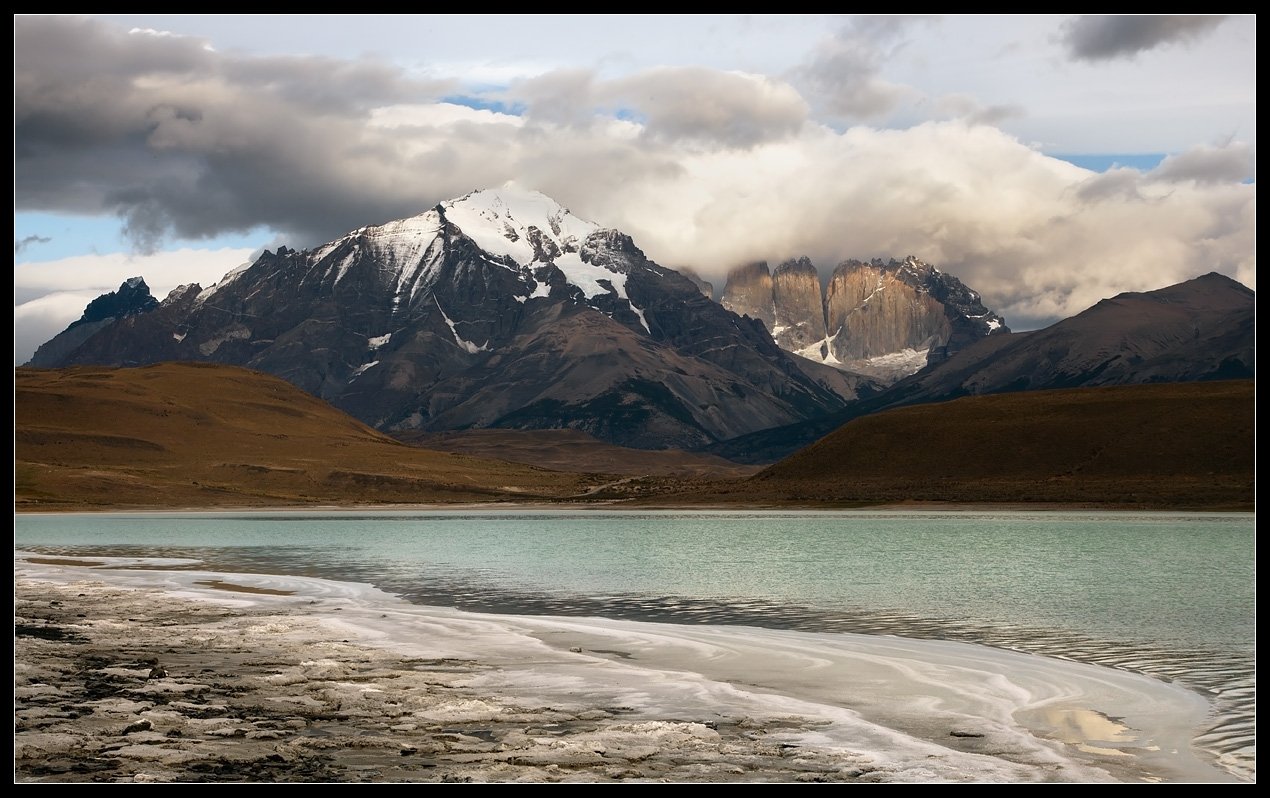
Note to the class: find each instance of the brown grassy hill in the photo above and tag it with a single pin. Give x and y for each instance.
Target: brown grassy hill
(576, 451)
(1160, 445)
(186, 434)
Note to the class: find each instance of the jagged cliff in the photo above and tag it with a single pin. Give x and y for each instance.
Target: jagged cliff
(798, 305)
(749, 293)
(886, 319)
(132, 298)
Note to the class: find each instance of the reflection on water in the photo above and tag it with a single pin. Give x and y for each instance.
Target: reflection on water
(1084, 727)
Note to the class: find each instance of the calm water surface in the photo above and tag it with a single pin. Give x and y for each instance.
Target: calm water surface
(1171, 595)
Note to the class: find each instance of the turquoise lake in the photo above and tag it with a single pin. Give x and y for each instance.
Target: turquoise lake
(1171, 595)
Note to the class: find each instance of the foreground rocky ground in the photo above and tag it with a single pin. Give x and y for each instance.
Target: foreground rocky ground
(130, 685)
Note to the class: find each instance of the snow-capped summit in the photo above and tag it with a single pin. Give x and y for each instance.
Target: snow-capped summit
(519, 229)
(526, 226)
(497, 308)
(505, 222)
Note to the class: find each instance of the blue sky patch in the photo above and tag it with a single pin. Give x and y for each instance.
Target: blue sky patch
(483, 104)
(1095, 162)
(40, 236)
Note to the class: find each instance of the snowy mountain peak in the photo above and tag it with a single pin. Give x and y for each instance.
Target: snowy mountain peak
(527, 226)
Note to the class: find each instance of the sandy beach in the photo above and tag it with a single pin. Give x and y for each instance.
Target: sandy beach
(151, 675)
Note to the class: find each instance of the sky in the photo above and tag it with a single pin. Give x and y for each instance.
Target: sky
(1047, 161)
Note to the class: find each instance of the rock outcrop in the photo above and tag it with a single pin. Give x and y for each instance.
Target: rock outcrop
(798, 304)
(748, 292)
(884, 319)
(132, 297)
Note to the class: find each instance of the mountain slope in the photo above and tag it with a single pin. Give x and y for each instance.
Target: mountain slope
(1201, 329)
(185, 434)
(498, 309)
(1115, 444)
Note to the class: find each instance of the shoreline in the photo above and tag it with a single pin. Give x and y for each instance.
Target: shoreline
(499, 709)
(626, 506)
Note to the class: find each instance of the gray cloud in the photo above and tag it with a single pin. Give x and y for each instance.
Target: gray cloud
(1204, 165)
(1041, 239)
(844, 73)
(1114, 184)
(672, 104)
(696, 104)
(962, 106)
(1233, 162)
(1101, 38)
(560, 97)
(176, 138)
(18, 246)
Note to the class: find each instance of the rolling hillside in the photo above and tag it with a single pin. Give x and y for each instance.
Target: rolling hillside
(1159, 445)
(186, 434)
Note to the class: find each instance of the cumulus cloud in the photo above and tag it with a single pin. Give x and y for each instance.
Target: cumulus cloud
(559, 97)
(27, 241)
(175, 138)
(1120, 183)
(1041, 239)
(1102, 38)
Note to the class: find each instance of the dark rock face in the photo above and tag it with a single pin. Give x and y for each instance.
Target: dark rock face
(875, 309)
(799, 306)
(704, 286)
(132, 297)
(498, 309)
(884, 319)
(748, 292)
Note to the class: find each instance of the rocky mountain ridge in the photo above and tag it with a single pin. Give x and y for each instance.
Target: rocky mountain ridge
(497, 309)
